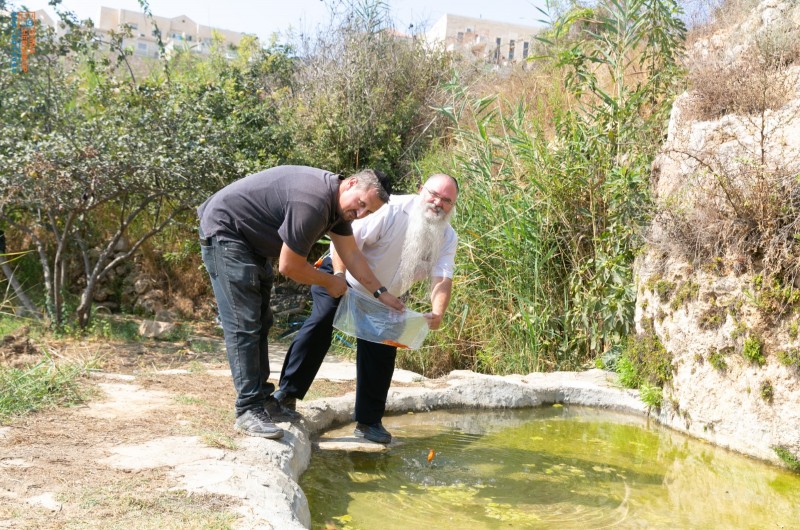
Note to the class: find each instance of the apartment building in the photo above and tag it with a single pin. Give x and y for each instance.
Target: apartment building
(498, 43)
(176, 32)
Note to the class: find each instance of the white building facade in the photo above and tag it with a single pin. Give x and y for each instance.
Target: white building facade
(176, 32)
(495, 42)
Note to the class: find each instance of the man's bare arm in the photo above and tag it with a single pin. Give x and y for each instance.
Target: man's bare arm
(349, 255)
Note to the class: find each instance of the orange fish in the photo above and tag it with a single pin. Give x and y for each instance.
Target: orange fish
(431, 454)
(395, 344)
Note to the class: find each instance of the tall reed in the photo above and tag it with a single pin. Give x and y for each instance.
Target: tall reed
(550, 213)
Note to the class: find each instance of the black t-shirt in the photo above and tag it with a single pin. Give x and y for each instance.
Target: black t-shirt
(295, 205)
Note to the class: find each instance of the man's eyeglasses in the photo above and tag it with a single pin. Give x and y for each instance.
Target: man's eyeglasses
(435, 195)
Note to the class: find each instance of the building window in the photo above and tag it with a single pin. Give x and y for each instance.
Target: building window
(468, 30)
(511, 50)
(133, 25)
(525, 49)
(142, 47)
(460, 36)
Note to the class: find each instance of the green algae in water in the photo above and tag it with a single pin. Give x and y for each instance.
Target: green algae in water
(566, 467)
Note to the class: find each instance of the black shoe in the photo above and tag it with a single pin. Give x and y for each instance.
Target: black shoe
(287, 401)
(279, 411)
(374, 432)
(256, 422)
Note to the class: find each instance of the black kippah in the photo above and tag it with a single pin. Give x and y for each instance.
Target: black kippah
(385, 181)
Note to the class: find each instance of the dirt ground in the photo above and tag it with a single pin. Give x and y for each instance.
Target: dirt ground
(54, 470)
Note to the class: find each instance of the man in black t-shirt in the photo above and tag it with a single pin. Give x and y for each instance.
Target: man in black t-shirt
(278, 213)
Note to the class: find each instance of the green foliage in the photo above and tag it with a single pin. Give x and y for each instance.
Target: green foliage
(112, 328)
(627, 373)
(790, 358)
(206, 346)
(652, 396)
(753, 350)
(773, 298)
(793, 328)
(646, 360)
(364, 96)
(41, 385)
(713, 317)
(93, 156)
(550, 222)
(686, 293)
(739, 330)
(788, 458)
(663, 288)
(10, 324)
(767, 391)
(716, 359)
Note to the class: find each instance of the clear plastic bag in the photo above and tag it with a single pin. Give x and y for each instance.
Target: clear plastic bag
(367, 318)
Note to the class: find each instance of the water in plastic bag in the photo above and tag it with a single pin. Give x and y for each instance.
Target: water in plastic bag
(367, 318)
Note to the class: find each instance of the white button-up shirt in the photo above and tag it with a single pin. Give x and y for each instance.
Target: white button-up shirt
(380, 237)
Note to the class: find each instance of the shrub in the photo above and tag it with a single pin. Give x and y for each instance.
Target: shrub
(790, 358)
(651, 395)
(791, 461)
(717, 359)
(753, 350)
(793, 330)
(753, 83)
(628, 375)
(767, 391)
(713, 317)
(685, 293)
(644, 361)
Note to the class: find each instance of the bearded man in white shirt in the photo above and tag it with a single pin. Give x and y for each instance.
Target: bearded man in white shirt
(408, 240)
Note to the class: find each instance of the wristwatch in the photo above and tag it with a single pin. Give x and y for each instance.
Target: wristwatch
(380, 291)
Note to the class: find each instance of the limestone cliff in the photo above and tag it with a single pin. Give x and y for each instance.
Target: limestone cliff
(718, 282)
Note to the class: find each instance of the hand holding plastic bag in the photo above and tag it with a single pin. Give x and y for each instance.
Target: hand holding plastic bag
(368, 319)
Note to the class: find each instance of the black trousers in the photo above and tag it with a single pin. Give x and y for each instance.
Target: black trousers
(374, 362)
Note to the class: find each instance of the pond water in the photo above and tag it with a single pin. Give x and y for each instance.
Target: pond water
(552, 467)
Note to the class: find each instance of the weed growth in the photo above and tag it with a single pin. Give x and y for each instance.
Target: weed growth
(753, 350)
(793, 330)
(44, 384)
(767, 391)
(716, 359)
(788, 458)
(712, 317)
(645, 364)
(686, 293)
(790, 358)
(550, 221)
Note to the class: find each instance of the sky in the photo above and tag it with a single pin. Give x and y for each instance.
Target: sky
(265, 17)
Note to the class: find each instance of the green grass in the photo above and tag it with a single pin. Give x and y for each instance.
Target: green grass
(11, 324)
(42, 385)
(114, 328)
(207, 346)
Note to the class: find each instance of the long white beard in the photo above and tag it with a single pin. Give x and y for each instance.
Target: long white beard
(421, 246)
